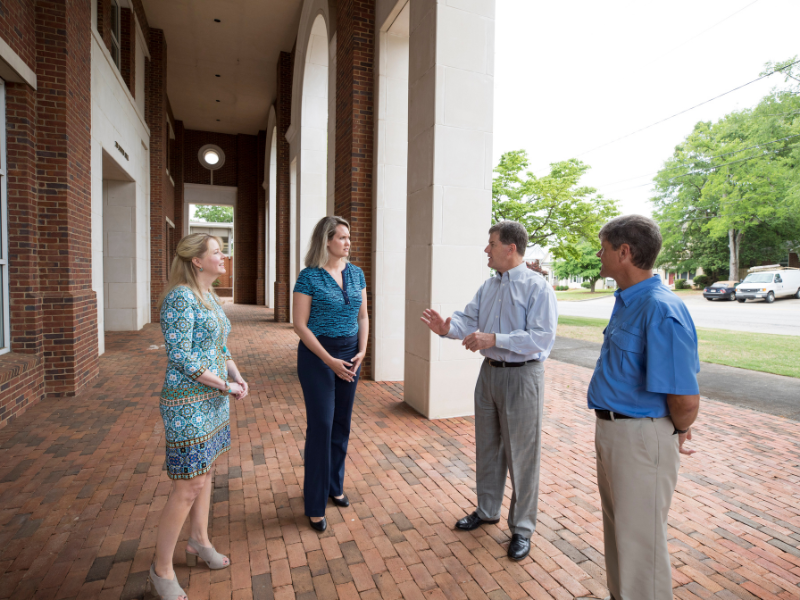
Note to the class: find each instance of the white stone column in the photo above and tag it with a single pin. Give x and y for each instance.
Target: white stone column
(451, 85)
(389, 222)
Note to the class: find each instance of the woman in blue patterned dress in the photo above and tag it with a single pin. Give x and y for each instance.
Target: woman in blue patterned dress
(194, 404)
(330, 316)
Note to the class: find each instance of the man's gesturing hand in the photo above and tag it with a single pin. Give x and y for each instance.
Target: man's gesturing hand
(435, 322)
(479, 341)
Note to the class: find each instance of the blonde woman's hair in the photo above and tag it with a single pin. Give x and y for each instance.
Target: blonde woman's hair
(182, 272)
(317, 255)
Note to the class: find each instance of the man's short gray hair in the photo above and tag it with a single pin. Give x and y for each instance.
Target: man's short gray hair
(511, 232)
(640, 233)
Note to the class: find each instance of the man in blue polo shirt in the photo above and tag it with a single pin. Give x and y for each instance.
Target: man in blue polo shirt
(645, 395)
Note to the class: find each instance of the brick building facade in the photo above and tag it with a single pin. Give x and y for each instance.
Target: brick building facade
(106, 109)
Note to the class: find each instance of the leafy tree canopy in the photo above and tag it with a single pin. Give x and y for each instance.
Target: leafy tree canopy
(213, 214)
(555, 209)
(732, 187)
(586, 264)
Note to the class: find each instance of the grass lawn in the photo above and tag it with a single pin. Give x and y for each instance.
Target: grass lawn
(754, 351)
(582, 294)
(577, 295)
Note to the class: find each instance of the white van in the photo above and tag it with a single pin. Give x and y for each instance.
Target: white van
(770, 282)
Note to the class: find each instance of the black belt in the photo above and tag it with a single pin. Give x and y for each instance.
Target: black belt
(609, 415)
(503, 364)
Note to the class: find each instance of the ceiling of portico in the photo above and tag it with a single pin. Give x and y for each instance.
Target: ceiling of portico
(242, 48)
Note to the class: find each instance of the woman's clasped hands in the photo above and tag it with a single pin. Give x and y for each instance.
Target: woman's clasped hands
(238, 389)
(346, 370)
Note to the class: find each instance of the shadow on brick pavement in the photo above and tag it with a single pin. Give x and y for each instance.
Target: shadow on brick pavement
(82, 487)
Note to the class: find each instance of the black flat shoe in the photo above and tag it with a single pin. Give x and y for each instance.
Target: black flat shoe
(318, 525)
(519, 547)
(473, 521)
(343, 501)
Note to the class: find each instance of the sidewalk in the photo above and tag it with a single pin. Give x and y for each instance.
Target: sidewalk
(82, 486)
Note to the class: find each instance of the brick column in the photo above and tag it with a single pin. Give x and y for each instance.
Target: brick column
(155, 114)
(283, 111)
(245, 221)
(355, 84)
(25, 296)
(261, 220)
(63, 165)
(177, 171)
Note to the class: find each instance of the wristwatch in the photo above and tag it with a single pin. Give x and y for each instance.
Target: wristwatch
(681, 431)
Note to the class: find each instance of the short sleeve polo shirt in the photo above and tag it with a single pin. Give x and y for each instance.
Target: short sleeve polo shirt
(334, 309)
(649, 351)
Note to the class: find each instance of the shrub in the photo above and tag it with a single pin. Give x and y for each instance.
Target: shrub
(702, 281)
(586, 285)
(562, 288)
(216, 283)
(680, 284)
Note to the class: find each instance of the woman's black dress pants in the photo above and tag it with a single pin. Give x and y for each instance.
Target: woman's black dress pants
(329, 407)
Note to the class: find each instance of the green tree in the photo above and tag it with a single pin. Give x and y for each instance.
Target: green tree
(213, 214)
(732, 187)
(586, 264)
(555, 209)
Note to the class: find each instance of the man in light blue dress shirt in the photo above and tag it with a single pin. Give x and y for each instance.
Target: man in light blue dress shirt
(512, 322)
(645, 395)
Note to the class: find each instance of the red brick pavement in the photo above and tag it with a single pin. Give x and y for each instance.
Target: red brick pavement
(82, 486)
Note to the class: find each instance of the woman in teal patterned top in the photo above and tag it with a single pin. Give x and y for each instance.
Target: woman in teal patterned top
(194, 403)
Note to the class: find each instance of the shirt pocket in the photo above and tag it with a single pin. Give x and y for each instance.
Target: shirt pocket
(628, 345)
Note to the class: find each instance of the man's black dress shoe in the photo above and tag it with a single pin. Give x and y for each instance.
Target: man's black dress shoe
(473, 521)
(343, 501)
(318, 525)
(519, 547)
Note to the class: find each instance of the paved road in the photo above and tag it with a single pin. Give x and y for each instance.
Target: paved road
(764, 392)
(781, 317)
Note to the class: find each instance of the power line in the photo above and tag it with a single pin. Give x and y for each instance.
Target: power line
(687, 110)
(683, 164)
(659, 122)
(712, 168)
(671, 50)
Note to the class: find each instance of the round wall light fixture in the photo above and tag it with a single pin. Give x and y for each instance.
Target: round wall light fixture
(211, 157)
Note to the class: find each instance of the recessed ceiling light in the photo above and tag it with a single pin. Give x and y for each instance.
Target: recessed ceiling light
(217, 21)
(217, 100)
(217, 120)
(217, 75)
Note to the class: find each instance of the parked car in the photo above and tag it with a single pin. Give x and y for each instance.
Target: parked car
(768, 283)
(721, 290)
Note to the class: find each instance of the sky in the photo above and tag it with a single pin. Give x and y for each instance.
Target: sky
(571, 76)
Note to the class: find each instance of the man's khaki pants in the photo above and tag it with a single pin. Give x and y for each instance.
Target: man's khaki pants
(637, 470)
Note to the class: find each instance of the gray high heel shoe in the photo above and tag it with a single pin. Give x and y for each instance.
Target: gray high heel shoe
(211, 557)
(166, 589)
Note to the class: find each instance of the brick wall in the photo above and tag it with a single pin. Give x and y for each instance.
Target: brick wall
(160, 195)
(355, 83)
(22, 371)
(243, 171)
(246, 220)
(194, 172)
(17, 28)
(283, 110)
(177, 175)
(261, 233)
(63, 165)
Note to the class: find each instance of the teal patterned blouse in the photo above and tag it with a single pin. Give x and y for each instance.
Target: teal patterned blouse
(196, 341)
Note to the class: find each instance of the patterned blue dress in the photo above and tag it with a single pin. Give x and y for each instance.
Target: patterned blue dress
(196, 417)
